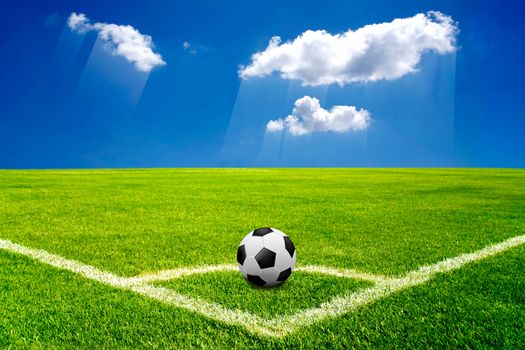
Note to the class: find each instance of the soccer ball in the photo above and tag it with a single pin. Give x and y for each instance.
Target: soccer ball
(266, 257)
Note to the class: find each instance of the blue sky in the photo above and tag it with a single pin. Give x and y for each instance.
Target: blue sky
(68, 100)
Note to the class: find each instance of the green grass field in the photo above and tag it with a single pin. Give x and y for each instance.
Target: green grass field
(379, 221)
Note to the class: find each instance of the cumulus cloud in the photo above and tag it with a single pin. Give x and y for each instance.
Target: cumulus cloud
(122, 40)
(78, 22)
(384, 51)
(308, 116)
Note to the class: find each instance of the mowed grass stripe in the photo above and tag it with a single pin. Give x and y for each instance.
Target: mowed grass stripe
(278, 326)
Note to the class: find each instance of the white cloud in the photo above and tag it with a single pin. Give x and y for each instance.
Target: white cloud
(190, 48)
(193, 48)
(122, 40)
(275, 125)
(374, 52)
(78, 22)
(308, 116)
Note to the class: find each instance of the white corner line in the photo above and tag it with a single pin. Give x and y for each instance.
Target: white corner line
(211, 310)
(342, 304)
(278, 326)
(166, 275)
(346, 273)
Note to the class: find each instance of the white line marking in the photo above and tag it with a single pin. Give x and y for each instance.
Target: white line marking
(166, 275)
(343, 304)
(84, 270)
(278, 326)
(347, 273)
(211, 310)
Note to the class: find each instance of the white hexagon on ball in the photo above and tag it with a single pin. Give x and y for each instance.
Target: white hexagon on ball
(266, 257)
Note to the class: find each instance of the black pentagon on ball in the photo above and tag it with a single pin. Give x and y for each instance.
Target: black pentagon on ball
(262, 231)
(258, 281)
(265, 258)
(289, 245)
(284, 275)
(241, 254)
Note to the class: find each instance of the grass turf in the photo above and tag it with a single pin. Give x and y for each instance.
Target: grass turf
(301, 291)
(385, 221)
